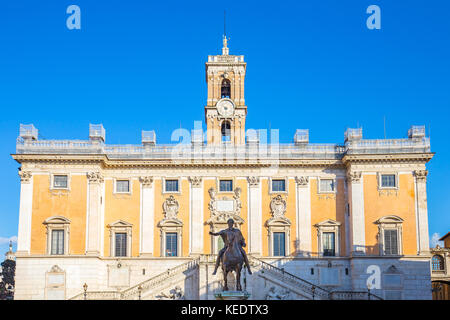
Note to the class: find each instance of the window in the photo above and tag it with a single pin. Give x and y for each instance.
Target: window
(328, 238)
(226, 185)
(60, 181)
(226, 131)
(279, 244)
(171, 244)
(120, 238)
(388, 181)
(328, 244)
(57, 242)
(122, 186)
(121, 244)
(171, 185)
(279, 185)
(58, 231)
(437, 263)
(390, 242)
(226, 89)
(326, 185)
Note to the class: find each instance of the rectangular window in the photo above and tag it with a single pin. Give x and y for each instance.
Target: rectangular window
(121, 244)
(390, 242)
(328, 244)
(57, 242)
(171, 244)
(326, 185)
(279, 244)
(278, 185)
(388, 181)
(122, 185)
(171, 186)
(226, 185)
(59, 181)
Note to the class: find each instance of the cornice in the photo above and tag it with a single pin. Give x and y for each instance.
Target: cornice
(72, 158)
(387, 158)
(105, 162)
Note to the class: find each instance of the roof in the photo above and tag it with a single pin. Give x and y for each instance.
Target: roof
(444, 237)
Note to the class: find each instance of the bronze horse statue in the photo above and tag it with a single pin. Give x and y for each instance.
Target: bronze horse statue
(232, 257)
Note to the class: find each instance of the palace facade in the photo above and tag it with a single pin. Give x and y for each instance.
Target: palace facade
(321, 221)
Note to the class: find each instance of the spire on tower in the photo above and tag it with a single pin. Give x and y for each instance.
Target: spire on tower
(225, 49)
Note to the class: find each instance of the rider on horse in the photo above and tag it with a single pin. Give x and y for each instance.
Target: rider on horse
(227, 235)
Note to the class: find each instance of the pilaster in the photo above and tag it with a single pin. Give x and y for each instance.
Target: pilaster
(303, 216)
(25, 212)
(95, 181)
(196, 216)
(357, 224)
(422, 210)
(147, 216)
(254, 216)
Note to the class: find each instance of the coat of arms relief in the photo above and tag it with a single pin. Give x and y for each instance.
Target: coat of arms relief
(278, 210)
(170, 211)
(224, 208)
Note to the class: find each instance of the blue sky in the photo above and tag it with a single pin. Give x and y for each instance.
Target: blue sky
(139, 65)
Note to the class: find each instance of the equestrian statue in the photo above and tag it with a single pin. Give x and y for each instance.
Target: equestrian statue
(232, 255)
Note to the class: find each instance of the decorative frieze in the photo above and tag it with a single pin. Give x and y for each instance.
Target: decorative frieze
(302, 181)
(253, 181)
(25, 176)
(196, 181)
(421, 175)
(95, 177)
(354, 176)
(146, 181)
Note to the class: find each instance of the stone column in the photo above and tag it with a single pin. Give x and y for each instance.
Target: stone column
(422, 210)
(196, 216)
(95, 180)
(357, 224)
(254, 216)
(147, 216)
(25, 211)
(303, 216)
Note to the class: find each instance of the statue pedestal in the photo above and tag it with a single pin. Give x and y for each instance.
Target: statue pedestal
(232, 295)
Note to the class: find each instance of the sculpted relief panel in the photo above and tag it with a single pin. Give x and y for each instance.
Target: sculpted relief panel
(224, 208)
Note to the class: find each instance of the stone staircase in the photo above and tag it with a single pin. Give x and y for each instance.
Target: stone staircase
(303, 287)
(140, 290)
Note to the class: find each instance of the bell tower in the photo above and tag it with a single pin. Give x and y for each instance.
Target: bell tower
(225, 109)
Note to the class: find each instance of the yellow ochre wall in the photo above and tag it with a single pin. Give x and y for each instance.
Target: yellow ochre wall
(125, 207)
(402, 205)
(290, 214)
(183, 199)
(70, 204)
(324, 208)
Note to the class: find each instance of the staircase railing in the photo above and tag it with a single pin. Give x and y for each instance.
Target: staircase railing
(140, 287)
(308, 287)
(158, 279)
(315, 290)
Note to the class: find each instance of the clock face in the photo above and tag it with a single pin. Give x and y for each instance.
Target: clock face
(225, 108)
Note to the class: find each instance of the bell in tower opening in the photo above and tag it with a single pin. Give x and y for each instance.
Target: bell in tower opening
(226, 88)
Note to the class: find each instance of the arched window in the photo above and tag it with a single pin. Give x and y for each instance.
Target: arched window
(225, 91)
(226, 131)
(437, 262)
